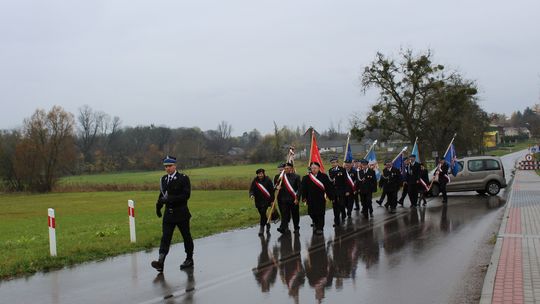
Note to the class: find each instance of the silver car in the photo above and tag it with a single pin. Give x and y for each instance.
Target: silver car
(483, 174)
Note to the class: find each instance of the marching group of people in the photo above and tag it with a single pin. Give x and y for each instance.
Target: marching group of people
(347, 186)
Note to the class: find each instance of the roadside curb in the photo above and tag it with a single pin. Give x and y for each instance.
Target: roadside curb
(489, 280)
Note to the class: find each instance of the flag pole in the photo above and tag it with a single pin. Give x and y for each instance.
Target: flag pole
(311, 147)
(402, 150)
(347, 146)
(449, 145)
(278, 187)
(444, 156)
(371, 148)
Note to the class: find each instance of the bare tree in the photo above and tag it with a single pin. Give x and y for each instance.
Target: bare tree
(46, 150)
(92, 124)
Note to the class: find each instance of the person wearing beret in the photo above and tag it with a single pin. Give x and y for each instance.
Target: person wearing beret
(288, 195)
(413, 179)
(262, 192)
(390, 179)
(367, 184)
(315, 185)
(175, 191)
(338, 177)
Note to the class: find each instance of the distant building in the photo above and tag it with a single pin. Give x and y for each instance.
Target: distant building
(513, 131)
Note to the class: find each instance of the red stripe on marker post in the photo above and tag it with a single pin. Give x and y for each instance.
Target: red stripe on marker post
(51, 221)
(131, 216)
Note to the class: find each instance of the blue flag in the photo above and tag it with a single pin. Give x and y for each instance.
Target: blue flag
(372, 159)
(400, 165)
(415, 150)
(451, 158)
(348, 155)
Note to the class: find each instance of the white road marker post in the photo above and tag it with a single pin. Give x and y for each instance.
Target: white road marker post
(52, 231)
(131, 214)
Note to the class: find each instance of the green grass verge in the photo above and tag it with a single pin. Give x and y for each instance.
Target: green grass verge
(513, 148)
(195, 175)
(93, 226)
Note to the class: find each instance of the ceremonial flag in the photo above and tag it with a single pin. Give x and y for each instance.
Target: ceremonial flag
(372, 159)
(348, 155)
(315, 156)
(399, 163)
(415, 149)
(451, 158)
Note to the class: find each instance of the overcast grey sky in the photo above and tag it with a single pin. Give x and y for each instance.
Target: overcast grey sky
(195, 63)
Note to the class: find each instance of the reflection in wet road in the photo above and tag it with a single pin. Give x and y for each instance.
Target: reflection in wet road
(414, 256)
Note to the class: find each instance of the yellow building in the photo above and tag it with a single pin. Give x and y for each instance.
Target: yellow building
(491, 139)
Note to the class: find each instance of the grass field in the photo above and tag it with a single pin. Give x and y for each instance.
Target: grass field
(195, 175)
(510, 149)
(93, 226)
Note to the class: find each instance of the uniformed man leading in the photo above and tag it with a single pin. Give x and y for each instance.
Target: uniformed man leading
(175, 190)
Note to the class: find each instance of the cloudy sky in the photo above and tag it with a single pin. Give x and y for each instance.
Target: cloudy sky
(196, 63)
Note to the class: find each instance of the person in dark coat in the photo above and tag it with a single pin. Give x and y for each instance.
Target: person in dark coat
(288, 195)
(405, 188)
(356, 168)
(390, 179)
(424, 184)
(350, 188)
(175, 191)
(443, 178)
(367, 184)
(262, 192)
(413, 178)
(315, 185)
(337, 175)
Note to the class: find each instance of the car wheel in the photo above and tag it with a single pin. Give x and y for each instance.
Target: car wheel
(493, 188)
(482, 192)
(435, 190)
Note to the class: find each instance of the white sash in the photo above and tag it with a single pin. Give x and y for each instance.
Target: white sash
(316, 181)
(263, 190)
(288, 186)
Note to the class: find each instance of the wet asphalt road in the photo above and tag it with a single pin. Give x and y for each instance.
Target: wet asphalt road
(414, 256)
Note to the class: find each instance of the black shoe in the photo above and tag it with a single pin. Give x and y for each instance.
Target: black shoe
(158, 265)
(261, 231)
(424, 204)
(400, 202)
(188, 263)
(296, 229)
(386, 205)
(379, 202)
(356, 208)
(281, 230)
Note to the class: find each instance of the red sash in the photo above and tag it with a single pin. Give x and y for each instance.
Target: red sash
(263, 190)
(288, 186)
(349, 179)
(316, 182)
(421, 181)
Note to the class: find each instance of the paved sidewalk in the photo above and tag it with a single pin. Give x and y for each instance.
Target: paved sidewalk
(514, 272)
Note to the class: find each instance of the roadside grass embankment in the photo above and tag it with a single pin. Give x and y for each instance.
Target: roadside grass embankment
(94, 226)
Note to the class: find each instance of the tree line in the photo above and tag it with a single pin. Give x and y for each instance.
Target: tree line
(418, 98)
